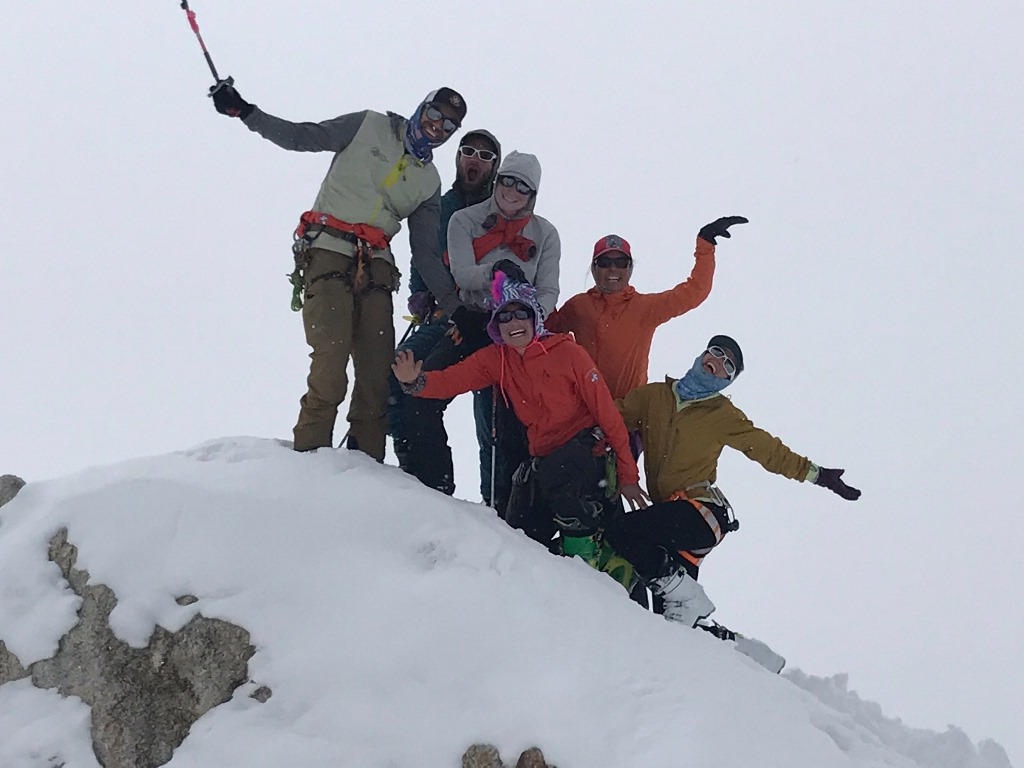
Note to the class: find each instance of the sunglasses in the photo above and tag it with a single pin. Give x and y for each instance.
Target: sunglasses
(511, 181)
(518, 314)
(729, 365)
(436, 115)
(484, 154)
(622, 262)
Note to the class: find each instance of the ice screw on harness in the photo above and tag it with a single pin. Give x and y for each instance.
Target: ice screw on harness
(195, 28)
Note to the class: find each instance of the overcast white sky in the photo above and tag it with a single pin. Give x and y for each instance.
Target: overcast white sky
(875, 149)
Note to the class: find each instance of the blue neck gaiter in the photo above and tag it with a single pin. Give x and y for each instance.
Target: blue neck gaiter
(698, 383)
(417, 143)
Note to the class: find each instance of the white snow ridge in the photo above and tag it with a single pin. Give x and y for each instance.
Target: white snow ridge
(393, 627)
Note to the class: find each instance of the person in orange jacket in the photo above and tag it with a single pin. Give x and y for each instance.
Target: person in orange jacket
(615, 323)
(555, 390)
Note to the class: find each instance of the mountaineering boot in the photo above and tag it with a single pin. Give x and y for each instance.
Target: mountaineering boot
(615, 565)
(579, 530)
(685, 600)
(584, 547)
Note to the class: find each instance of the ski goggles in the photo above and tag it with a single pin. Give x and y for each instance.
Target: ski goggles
(506, 316)
(484, 154)
(622, 262)
(727, 363)
(511, 181)
(435, 115)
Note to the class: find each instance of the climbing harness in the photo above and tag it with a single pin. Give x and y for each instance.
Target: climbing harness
(364, 238)
(719, 517)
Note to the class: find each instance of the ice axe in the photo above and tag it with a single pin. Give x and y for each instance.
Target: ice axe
(195, 28)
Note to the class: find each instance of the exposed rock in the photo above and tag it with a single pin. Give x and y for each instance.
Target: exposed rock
(532, 758)
(262, 694)
(482, 756)
(10, 667)
(186, 599)
(9, 487)
(486, 756)
(143, 700)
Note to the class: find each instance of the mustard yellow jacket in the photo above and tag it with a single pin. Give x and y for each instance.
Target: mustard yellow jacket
(682, 445)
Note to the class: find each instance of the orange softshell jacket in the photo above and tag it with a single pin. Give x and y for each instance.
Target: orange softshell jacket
(616, 329)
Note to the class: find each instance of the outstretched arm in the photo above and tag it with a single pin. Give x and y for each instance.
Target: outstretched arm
(770, 452)
(475, 372)
(328, 136)
(692, 291)
(688, 294)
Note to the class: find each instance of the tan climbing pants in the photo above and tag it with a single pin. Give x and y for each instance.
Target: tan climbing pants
(342, 320)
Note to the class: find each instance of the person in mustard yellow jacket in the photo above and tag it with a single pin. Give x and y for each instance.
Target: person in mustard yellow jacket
(685, 424)
(615, 323)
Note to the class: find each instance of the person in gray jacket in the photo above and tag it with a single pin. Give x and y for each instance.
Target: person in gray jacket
(500, 234)
(381, 174)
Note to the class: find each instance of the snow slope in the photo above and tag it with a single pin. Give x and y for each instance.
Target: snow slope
(396, 627)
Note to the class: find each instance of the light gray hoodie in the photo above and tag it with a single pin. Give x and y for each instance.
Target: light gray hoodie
(473, 277)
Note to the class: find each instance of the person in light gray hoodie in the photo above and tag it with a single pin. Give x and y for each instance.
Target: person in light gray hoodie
(501, 234)
(505, 228)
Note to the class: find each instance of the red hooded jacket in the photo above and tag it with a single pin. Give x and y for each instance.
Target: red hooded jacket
(554, 389)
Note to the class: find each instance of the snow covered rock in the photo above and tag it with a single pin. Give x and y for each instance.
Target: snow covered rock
(143, 700)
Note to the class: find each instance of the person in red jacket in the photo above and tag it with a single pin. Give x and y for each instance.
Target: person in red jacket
(615, 323)
(557, 393)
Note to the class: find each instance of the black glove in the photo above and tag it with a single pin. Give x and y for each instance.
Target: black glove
(472, 325)
(833, 480)
(720, 228)
(512, 270)
(227, 101)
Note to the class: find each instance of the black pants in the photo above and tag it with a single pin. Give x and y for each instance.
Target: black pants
(563, 492)
(508, 446)
(651, 538)
(430, 456)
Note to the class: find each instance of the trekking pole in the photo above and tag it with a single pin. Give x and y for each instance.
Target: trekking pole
(494, 444)
(195, 28)
(412, 324)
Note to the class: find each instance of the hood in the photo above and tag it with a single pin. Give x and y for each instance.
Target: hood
(523, 166)
(504, 292)
(488, 186)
